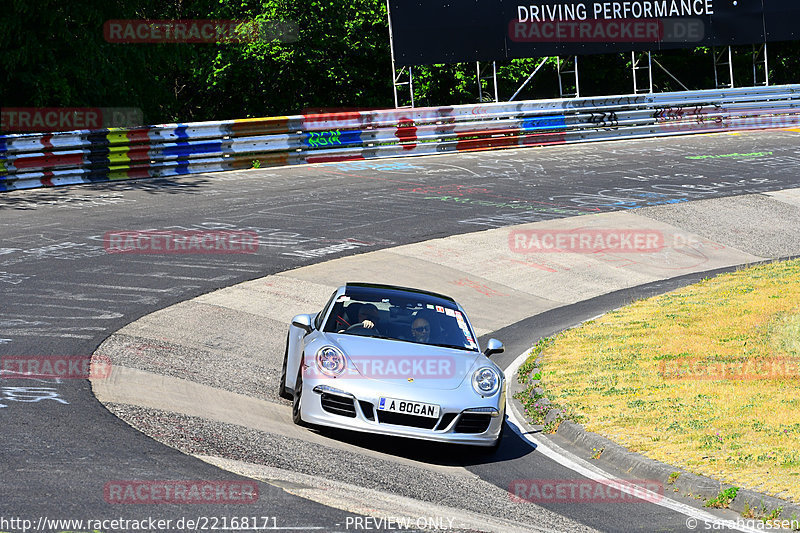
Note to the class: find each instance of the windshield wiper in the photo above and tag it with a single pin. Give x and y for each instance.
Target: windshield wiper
(450, 346)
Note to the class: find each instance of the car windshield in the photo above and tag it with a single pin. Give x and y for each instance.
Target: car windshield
(402, 316)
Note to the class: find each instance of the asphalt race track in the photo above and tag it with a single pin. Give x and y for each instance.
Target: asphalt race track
(63, 294)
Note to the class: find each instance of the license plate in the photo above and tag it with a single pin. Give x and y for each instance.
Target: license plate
(407, 407)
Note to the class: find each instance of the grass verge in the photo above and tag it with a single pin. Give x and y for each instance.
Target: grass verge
(706, 378)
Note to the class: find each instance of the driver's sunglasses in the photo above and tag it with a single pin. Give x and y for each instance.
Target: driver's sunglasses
(421, 329)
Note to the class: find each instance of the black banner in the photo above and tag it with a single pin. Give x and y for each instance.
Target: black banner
(453, 31)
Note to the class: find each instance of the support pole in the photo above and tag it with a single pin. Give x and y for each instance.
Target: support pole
(494, 76)
(730, 64)
(480, 82)
(668, 73)
(539, 66)
(411, 85)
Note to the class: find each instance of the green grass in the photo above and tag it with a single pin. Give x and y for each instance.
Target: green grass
(706, 378)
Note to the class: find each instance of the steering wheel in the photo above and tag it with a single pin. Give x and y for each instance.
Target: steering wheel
(359, 329)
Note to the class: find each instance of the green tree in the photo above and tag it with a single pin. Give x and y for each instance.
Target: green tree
(55, 55)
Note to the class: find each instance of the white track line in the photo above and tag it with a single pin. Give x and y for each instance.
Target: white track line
(702, 519)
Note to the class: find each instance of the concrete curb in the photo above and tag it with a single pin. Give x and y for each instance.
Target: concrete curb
(687, 483)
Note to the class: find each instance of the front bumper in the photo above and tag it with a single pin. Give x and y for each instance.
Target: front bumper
(351, 404)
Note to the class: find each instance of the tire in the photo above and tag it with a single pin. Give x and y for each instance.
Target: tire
(282, 392)
(297, 417)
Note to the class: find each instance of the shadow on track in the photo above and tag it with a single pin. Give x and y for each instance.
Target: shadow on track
(436, 453)
(31, 198)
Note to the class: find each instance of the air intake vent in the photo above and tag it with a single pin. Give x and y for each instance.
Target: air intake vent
(447, 419)
(473, 423)
(368, 409)
(338, 405)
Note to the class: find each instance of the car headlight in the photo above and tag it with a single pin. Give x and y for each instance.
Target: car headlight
(486, 381)
(330, 361)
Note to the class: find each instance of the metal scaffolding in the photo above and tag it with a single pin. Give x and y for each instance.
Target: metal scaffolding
(636, 67)
(760, 56)
(642, 64)
(571, 61)
(481, 77)
(721, 60)
(397, 76)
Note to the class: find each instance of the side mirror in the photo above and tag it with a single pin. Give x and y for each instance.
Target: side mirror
(492, 347)
(303, 322)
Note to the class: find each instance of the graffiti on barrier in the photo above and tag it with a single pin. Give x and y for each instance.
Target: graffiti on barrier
(604, 120)
(324, 138)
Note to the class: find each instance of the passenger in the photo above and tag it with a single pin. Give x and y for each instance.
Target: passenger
(421, 329)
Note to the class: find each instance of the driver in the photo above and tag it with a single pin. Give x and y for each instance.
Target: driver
(368, 315)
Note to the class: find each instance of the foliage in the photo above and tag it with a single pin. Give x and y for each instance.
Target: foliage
(55, 55)
(723, 499)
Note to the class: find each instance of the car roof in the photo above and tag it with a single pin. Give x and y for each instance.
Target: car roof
(398, 288)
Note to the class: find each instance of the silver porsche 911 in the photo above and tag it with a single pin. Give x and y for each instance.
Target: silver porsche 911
(394, 361)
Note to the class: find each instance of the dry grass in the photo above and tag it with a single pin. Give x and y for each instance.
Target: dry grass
(745, 432)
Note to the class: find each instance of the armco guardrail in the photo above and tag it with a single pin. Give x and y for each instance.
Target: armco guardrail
(45, 160)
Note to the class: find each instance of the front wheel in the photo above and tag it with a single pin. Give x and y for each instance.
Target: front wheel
(297, 417)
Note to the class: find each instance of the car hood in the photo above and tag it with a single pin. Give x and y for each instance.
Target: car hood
(417, 365)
